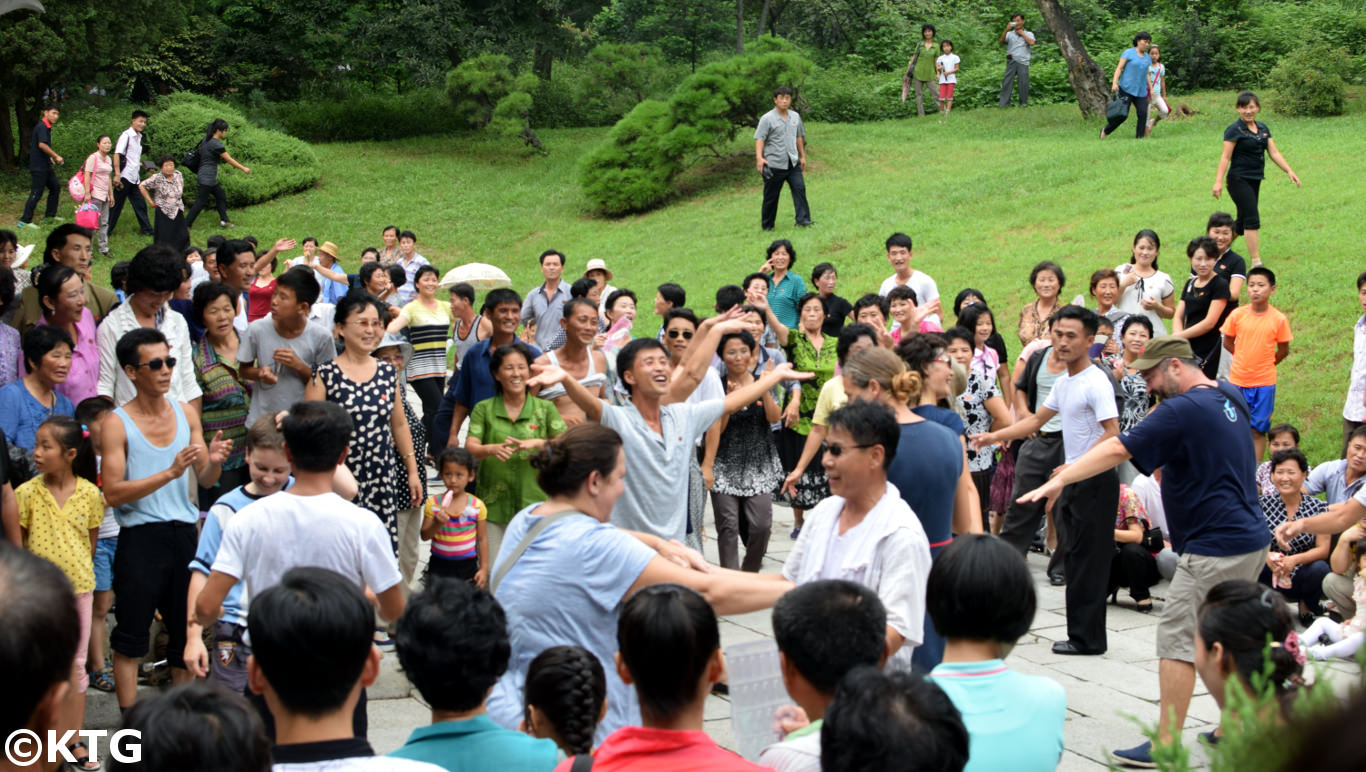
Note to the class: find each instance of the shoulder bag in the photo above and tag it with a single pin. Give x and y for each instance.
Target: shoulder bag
(524, 544)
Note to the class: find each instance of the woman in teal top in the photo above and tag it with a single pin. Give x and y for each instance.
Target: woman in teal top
(505, 431)
(981, 598)
(1130, 83)
(785, 288)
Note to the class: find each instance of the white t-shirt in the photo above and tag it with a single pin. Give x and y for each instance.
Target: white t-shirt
(282, 531)
(949, 62)
(925, 290)
(1158, 286)
(802, 754)
(1150, 493)
(1082, 401)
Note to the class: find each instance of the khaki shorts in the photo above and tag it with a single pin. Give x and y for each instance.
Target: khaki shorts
(1195, 576)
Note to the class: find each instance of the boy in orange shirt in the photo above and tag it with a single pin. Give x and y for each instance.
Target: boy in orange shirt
(1259, 337)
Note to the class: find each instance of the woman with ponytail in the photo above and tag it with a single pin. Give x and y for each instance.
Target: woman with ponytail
(566, 697)
(929, 466)
(212, 152)
(1242, 625)
(564, 570)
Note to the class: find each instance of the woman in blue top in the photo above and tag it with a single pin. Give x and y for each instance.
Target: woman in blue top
(1130, 83)
(981, 598)
(27, 402)
(1247, 142)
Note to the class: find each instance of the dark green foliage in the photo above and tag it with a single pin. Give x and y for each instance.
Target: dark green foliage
(1310, 81)
(485, 92)
(685, 30)
(363, 116)
(614, 78)
(635, 167)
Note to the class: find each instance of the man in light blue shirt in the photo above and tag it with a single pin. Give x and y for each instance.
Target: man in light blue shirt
(780, 155)
(544, 305)
(1017, 41)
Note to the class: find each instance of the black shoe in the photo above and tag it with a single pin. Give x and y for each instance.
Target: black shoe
(1143, 607)
(806, 224)
(149, 233)
(1057, 580)
(1070, 648)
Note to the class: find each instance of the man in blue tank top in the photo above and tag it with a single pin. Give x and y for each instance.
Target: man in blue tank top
(149, 449)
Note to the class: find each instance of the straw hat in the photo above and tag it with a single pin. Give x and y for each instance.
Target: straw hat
(597, 264)
(329, 249)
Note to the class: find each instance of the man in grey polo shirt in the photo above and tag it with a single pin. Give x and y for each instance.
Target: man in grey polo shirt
(780, 155)
(545, 304)
(1017, 40)
(658, 430)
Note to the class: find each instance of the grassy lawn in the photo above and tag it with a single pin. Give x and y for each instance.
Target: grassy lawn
(985, 195)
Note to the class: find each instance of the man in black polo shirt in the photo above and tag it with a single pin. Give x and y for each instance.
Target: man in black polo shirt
(41, 157)
(1200, 436)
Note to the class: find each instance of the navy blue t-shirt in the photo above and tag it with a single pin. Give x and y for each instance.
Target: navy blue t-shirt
(1203, 442)
(926, 468)
(942, 416)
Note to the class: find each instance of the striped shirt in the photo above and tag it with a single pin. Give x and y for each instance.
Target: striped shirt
(429, 330)
(456, 538)
(226, 401)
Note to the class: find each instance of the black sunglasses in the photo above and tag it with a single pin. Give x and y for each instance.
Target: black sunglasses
(156, 364)
(838, 450)
(674, 333)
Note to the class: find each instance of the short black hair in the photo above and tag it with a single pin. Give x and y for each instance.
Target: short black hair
(311, 635)
(156, 267)
(56, 239)
(729, 296)
(139, 114)
(1089, 321)
(929, 27)
(980, 589)
(39, 632)
(126, 350)
(198, 726)
(1204, 244)
(673, 294)
(822, 269)
(872, 300)
(1139, 319)
(1219, 220)
(453, 644)
(618, 295)
(902, 292)
(785, 244)
(681, 313)
(869, 423)
(1261, 270)
(316, 433)
(777, 92)
(666, 635)
(234, 248)
(1052, 267)
(892, 720)
(898, 240)
(626, 358)
(301, 281)
(1290, 454)
(580, 288)
(463, 290)
(827, 628)
(1142, 36)
(576, 301)
(1290, 430)
(423, 270)
(354, 302)
(50, 281)
(39, 340)
(205, 294)
(550, 252)
(503, 352)
(457, 455)
(757, 276)
(397, 276)
(367, 272)
(407, 235)
(849, 335)
(498, 297)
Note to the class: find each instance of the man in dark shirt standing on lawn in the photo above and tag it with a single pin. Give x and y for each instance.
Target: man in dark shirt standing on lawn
(41, 157)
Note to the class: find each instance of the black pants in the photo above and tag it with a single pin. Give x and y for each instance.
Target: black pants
(45, 180)
(429, 390)
(773, 188)
(1141, 105)
(1306, 586)
(172, 231)
(1244, 194)
(201, 197)
(463, 570)
(122, 194)
(1034, 463)
(1086, 514)
(1133, 566)
(151, 573)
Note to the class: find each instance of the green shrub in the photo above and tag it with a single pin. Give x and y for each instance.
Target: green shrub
(1311, 81)
(634, 168)
(364, 117)
(486, 92)
(280, 164)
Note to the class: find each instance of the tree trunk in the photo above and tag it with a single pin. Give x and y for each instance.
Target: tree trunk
(9, 159)
(542, 61)
(763, 17)
(1088, 82)
(740, 27)
(26, 118)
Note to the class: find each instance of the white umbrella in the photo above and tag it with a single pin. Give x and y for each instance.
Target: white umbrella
(21, 256)
(481, 276)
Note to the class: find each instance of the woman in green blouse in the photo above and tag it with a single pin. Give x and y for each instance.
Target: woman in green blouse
(505, 431)
(809, 350)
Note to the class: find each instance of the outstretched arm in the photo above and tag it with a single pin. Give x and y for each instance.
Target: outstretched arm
(549, 375)
(755, 391)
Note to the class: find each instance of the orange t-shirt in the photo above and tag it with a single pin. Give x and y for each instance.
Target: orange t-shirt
(1254, 354)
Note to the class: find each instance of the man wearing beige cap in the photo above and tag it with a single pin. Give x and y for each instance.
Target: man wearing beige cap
(332, 289)
(1200, 436)
(597, 270)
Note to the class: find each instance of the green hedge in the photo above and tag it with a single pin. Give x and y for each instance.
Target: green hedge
(363, 117)
(280, 164)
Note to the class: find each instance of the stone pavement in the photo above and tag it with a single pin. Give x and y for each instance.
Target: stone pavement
(1105, 694)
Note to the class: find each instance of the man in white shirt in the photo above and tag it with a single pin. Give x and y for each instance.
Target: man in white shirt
(1018, 41)
(926, 291)
(127, 174)
(1085, 399)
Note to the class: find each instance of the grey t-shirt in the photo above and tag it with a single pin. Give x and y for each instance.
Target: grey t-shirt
(313, 345)
(209, 152)
(780, 137)
(1017, 47)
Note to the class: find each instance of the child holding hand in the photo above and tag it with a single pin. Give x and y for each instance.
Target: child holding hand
(456, 524)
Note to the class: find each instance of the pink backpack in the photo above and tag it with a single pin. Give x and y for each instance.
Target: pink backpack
(77, 185)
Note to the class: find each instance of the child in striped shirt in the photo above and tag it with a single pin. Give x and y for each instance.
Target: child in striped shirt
(455, 524)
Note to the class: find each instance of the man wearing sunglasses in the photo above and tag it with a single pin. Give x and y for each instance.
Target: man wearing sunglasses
(152, 452)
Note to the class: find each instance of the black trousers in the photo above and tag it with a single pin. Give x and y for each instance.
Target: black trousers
(773, 188)
(1244, 193)
(1086, 513)
(429, 390)
(1133, 566)
(42, 181)
(201, 197)
(1141, 105)
(122, 194)
(1034, 463)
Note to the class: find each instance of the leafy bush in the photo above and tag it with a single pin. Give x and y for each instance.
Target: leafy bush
(485, 91)
(363, 117)
(598, 91)
(634, 168)
(280, 164)
(1311, 81)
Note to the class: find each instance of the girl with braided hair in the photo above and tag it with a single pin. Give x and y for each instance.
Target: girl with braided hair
(566, 697)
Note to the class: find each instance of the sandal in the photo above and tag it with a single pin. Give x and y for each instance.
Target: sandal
(82, 763)
(103, 680)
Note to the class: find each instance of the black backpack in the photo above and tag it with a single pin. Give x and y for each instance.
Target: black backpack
(191, 159)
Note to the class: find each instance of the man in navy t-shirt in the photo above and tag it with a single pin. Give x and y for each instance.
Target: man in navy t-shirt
(1199, 436)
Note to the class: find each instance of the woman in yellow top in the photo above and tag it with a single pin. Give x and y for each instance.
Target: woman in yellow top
(60, 512)
(429, 329)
